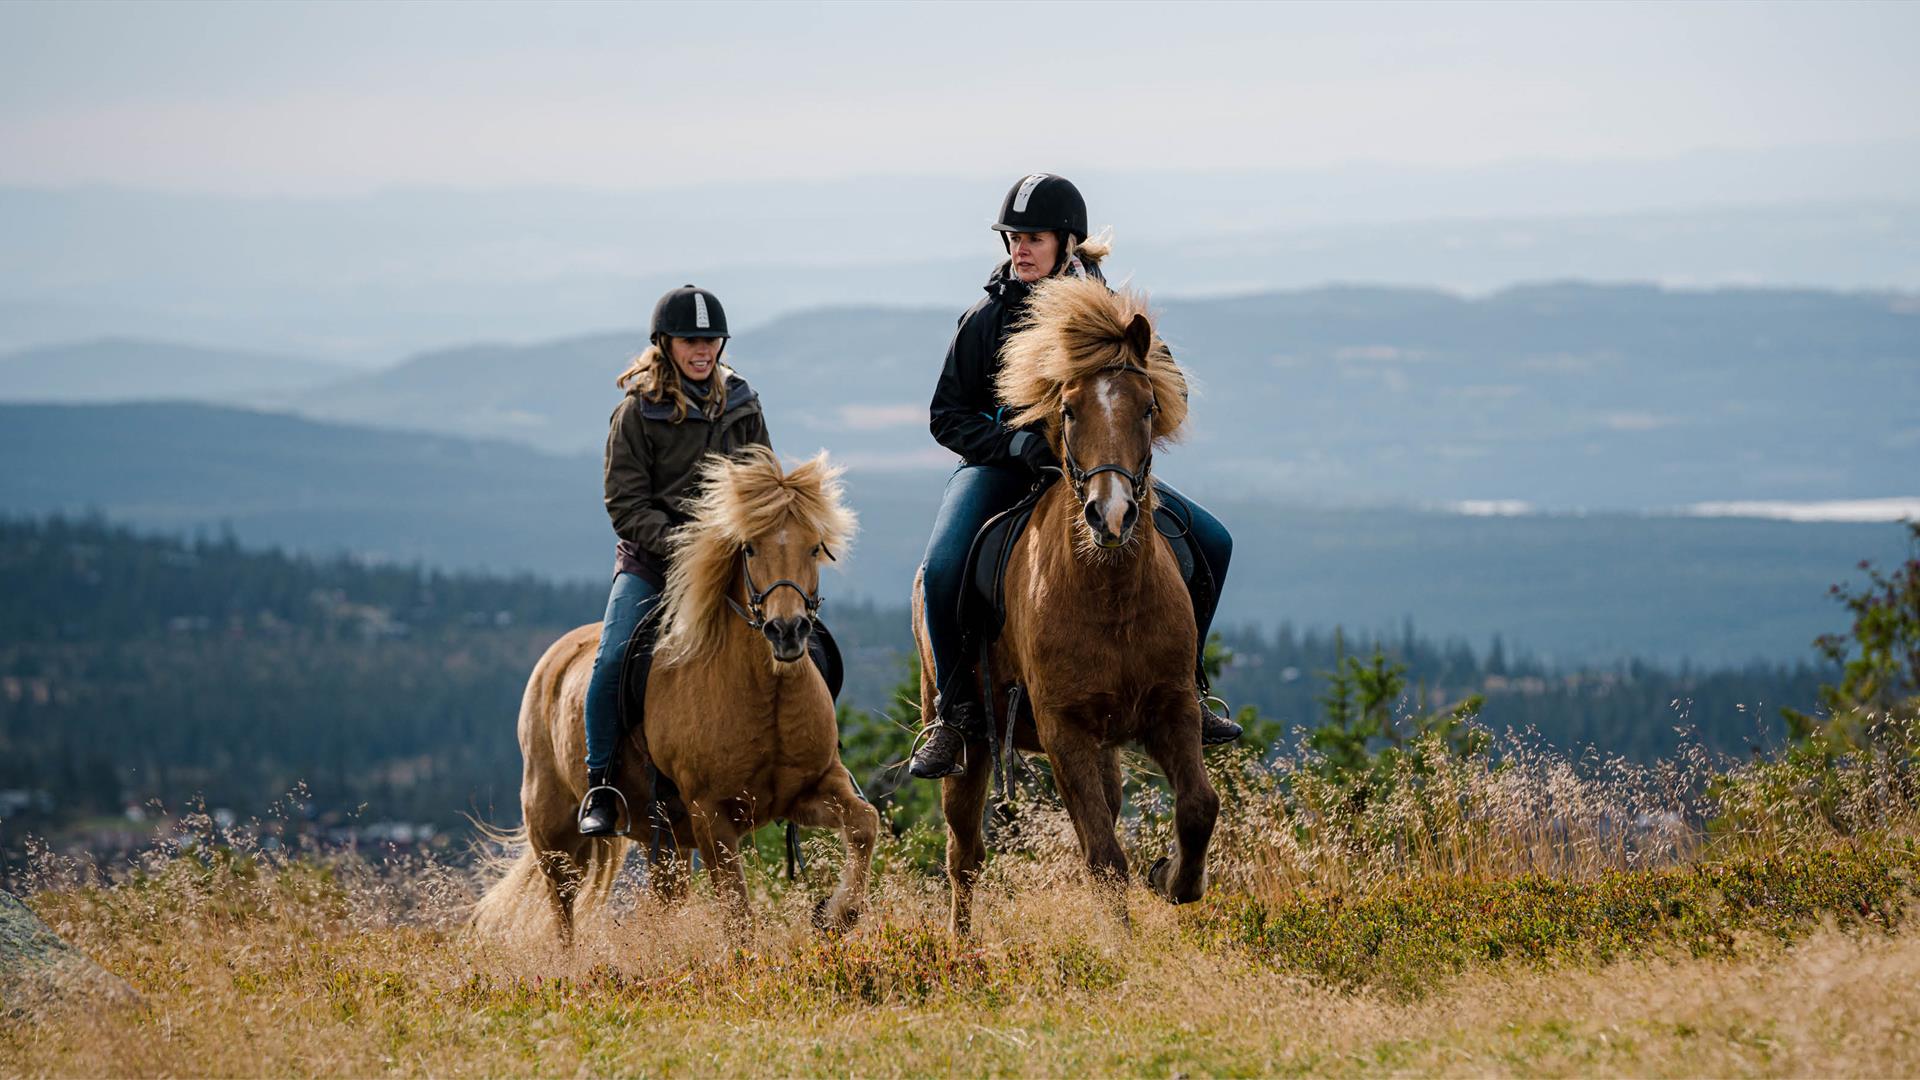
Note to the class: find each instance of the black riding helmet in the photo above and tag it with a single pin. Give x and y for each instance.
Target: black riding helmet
(689, 312)
(1043, 202)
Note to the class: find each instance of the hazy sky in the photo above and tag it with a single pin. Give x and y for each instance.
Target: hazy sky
(326, 98)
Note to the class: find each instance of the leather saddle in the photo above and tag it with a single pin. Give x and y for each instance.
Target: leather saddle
(983, 602)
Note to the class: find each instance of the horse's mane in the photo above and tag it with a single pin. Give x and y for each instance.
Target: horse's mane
(1074, 327)
(739, 498)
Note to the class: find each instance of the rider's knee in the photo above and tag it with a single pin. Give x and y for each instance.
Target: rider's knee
(942, 572)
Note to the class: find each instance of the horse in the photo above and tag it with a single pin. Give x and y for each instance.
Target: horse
(1099, 634)
(736, 714)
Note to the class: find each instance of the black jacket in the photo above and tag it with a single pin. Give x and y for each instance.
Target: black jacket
(966, 416)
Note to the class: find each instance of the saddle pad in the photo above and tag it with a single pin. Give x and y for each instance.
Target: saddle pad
(983, 603)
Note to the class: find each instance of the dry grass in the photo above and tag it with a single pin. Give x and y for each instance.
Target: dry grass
(1538, 917)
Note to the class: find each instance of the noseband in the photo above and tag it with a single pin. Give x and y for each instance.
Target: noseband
(1079, 477)
(756, 610)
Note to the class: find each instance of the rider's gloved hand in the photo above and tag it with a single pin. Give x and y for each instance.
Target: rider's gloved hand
(1037, 455)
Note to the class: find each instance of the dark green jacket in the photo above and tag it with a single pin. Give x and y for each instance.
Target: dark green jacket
(651, 461)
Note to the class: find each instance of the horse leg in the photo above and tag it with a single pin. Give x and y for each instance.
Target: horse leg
(963, 798)
(669, 879)
(563, 872)
(834, 803)
(1175, 747)
(718, 835)
(1079, 773)
(1110, 784)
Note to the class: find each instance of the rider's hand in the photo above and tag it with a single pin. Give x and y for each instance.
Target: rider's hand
(1038, 455)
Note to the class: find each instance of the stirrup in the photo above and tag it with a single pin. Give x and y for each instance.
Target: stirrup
(625, 814)
(1228, 730)
(926, 735)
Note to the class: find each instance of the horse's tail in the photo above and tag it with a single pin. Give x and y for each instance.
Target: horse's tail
(525, 896)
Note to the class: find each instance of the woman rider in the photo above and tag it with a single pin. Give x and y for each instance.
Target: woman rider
(681, 405)
(1043, 225)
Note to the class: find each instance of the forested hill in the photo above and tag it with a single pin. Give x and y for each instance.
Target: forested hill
(1581, 588)
(83, 580)
(135, 668)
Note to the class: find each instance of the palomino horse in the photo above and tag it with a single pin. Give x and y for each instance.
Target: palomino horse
(736, 714)
(1099, 630)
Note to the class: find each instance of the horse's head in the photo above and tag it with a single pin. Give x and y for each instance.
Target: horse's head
(780, 574)
(753, 549)
(1105, 442)
(1088, 364)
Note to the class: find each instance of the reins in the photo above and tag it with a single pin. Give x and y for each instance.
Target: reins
(755, 612)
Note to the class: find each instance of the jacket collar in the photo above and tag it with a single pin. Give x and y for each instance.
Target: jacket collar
(1011, 290)
(739, 394)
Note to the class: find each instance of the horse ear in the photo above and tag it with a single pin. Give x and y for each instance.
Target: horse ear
(1139, 335)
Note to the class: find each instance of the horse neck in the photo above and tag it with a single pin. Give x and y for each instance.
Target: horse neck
(1118, 577)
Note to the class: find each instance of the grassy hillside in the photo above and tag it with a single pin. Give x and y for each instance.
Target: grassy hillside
(1504, 929)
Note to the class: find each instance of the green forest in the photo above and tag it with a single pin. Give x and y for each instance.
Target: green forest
(138, 669)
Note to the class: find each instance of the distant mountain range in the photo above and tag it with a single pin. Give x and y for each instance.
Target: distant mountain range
(1568, 396)
(127, 369)
(370, 277)
(1576, 588)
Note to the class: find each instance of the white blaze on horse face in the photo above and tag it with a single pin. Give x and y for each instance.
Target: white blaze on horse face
(1109, 491)
(1105, 394)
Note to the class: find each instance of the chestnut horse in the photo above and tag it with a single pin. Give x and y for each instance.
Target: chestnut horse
(736, 712)
(1099, 629)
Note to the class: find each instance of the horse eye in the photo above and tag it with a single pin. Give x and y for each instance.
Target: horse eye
(1067, 410)
(748, 550)
(816, 551)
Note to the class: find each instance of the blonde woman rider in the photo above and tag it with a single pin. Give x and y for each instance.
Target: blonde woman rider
(682, 404)
(1043, 225)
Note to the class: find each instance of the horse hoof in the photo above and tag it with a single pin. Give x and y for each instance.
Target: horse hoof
(830, 924)
(1157, 876)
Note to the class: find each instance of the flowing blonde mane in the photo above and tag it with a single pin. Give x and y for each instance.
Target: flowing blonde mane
(1075, 327)
(740, 498)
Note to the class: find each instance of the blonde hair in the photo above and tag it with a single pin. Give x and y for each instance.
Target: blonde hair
(739, 498)
(1076, 327)
(1092, 249)
(653, 376)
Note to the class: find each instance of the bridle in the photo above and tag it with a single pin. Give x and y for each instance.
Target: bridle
(756, 610)
(1079, 477)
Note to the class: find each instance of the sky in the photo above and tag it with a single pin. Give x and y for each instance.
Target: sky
(341, 99)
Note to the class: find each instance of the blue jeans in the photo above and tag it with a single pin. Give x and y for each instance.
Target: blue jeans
(974, 494)
(632, 599)
(1215, 543)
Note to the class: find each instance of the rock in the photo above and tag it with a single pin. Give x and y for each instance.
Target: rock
(37, 968)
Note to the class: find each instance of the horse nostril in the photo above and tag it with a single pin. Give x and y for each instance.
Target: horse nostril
(1094, 519)
(788, 634)
(1132, 515)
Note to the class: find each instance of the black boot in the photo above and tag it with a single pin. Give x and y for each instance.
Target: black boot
(946, 741)
(599, 813)
(1216, 727)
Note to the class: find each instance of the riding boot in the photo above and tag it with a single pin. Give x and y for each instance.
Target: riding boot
(940, 755)
(1216, 727)
(599, 813)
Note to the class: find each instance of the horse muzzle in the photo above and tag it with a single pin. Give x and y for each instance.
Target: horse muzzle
(788, 637)
(1112, 520)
